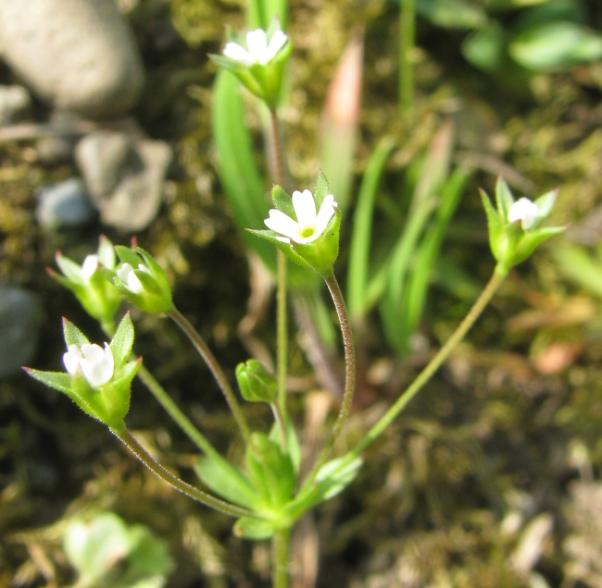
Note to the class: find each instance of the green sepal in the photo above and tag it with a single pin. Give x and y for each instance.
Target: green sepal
(270, 470)
(503, 198)
(545, 203)
(322, 253)
(226, 480)
(87, 399)
(286, 248)
(495, 226)
(127, 255)
(116, 395)
(123, 340)
(71, 269)
(283, 201)
(72, 335)
(254, 529)
(56, 380)
(321, 189)
(531, 240)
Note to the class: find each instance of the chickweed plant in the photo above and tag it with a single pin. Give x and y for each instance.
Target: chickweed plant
(272, 489)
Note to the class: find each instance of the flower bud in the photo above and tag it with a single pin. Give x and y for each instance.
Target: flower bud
(98, 378)
(514, 231)
(256, 384)
(257, 59)
(91, 282)
(142, 281)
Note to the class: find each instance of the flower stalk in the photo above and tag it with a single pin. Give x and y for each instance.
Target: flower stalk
(158, 470)
(203, 349)
(350, 372)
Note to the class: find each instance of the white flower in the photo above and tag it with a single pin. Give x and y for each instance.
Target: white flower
(260, 49)
(90, 265)
(309, 225)
(129, 279)
(525, 211)
(97, 364)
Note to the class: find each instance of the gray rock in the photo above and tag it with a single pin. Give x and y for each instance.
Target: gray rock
(15, 103)
(20, 319)
(124, 176)
(64, 205)
(77, 54)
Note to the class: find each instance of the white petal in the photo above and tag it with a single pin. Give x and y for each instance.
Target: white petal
(72, 359)
(525, 211)
(325, 213)
(281, 223)
(305, 207)
(238, 53)
(277, 42)
(89, 266)
(98, 364)
(257, 44)
(129, 279)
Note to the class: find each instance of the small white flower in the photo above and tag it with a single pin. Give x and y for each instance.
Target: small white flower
(130, 280)
(96, 363)
(258, 49)
(90, 265)
(525, 211)
(309, 225)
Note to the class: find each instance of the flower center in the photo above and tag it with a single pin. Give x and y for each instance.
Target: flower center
(306, 232)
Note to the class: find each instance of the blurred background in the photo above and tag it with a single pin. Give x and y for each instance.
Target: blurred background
(112, 121)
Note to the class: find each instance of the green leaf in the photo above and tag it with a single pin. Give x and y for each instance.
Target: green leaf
(72, 335)
(293, 446)
(254, 529)
(282, 201)
(121, 345)
(270, 470)
(361, 235)
(333, 478)
(226, 480)
(97, 547)
(57, 380)
(486, 48)
(454, 14)
(555, 46)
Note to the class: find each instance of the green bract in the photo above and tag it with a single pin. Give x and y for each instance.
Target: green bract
(514, 231)
(305, 227)
(255, 382)
(257, 59)
(91, 282)
(142, 281)
(105, 397)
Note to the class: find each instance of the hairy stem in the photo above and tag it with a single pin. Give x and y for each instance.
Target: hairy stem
(277, 170)
(350, 375)
(199, 344)
(170, 407)
(158, 470)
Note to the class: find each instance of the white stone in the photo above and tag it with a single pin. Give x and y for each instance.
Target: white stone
(77, 54)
